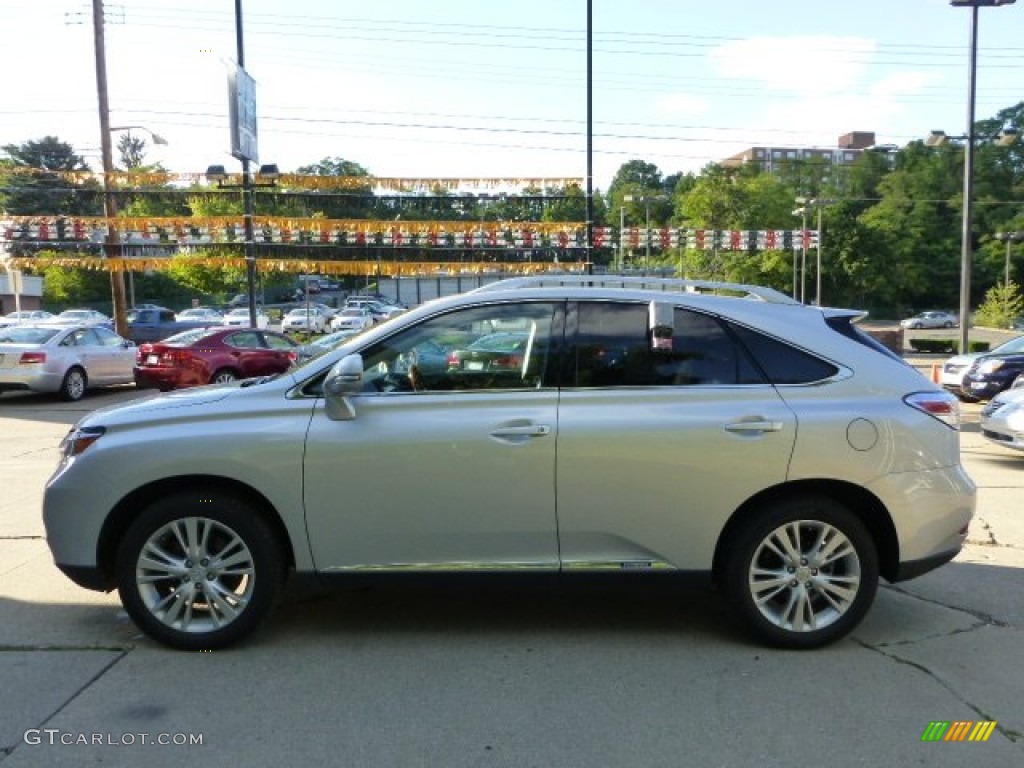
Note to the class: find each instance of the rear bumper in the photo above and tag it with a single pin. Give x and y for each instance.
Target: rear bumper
(914, 568)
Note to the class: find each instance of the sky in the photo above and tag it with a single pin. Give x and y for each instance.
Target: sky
(483, 89)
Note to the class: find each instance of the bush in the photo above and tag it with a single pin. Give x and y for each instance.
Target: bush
(933, 345)
(978, 346)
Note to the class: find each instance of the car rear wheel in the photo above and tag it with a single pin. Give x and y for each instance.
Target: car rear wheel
(73, 386)
(803, 574)
(199, 570)
(223, 376)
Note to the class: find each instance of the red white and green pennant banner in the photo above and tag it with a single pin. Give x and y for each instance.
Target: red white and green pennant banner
(185, 231)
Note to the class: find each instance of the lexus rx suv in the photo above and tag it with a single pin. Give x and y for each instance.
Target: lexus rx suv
(643, 428)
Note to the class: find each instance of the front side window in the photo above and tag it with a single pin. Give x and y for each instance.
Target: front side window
(501, 346)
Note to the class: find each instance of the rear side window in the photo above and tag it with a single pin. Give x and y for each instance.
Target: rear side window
(782, 363)
(613, 349)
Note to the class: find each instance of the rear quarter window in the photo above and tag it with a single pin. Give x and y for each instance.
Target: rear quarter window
(782, 363)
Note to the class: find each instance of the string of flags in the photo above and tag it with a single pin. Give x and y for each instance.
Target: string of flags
(186, 231)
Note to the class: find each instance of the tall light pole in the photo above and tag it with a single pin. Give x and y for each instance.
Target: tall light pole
(1009, 238)
(965, 234)
(646, 200)
(802, 213)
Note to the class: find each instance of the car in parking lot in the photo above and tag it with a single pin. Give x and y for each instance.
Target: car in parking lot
(201, 314)
(240, 317)
(25, 316)
(352, 319)
(306, 320)
(991, 373)
(952, 374)
(651, 428)
(495, 351)
(212, 356)
(82, 317)
(1002, 419)
(64, 359)
(930, 319)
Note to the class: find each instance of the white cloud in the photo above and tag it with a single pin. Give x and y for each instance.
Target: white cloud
(907, 83)
(682, 104)
(814, 63)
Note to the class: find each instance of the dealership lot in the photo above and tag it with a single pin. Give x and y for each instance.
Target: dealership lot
(530, 676)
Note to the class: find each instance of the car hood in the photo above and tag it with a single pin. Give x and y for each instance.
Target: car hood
(158, 406)
(965, 359)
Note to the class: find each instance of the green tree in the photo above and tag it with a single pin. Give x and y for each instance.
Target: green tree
(33, 183)
(1003, 304)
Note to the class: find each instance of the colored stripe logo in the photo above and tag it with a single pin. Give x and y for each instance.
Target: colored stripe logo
(958, 730)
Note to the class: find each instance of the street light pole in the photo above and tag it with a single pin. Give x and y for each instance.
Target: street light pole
(966, 255)
(1009, 238)
(802, 213)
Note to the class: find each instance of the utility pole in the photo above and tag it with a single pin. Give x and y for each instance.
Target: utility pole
(112, 244)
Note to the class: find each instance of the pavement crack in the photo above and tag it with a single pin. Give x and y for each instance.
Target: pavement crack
(1009, 734)
(121, 652)
(982, 619)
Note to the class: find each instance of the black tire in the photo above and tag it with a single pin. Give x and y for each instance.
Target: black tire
(223, 376)
(73, 387)
(811, 608)
(157, 579)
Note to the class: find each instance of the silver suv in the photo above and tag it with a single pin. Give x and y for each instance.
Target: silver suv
(629, 427)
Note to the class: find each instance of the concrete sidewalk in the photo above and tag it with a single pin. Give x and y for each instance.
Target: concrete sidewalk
(410, 677)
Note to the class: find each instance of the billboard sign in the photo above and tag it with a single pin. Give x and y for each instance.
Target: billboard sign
(242, 101)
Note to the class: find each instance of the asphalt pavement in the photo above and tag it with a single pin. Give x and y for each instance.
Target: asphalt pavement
(516, 677)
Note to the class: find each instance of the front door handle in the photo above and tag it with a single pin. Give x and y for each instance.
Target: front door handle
(749, 427)
(526, 430)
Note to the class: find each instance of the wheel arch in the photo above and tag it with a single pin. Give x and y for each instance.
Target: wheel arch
(861, 502)
(126, 511)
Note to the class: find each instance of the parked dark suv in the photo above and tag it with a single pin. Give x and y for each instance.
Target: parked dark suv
(991, 374)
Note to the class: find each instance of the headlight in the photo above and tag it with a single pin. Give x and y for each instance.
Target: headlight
(991, 366)
(78, 439)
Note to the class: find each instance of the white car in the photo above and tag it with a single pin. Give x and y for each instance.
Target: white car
(1002, 419)
(240, 317)
(200, 314)
(952, 375)
(65, 359)
(82, 317)
(305, 320)
(352, 318)
(26, 316)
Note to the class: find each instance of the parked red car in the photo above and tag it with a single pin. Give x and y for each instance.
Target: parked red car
(212, 356)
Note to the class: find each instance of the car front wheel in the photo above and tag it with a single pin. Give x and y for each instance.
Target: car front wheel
(199, 570)
(803, 574)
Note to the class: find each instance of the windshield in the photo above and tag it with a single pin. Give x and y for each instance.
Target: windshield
(1009, 347)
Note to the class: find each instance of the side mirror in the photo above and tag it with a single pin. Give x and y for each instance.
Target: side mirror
(345, 378)
(661, 325)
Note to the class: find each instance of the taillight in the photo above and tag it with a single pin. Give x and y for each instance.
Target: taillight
(28, 358)
(505, 362)
(453, 360)
(941, 405)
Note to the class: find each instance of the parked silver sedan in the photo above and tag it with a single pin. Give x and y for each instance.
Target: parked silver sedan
(66, 359)
(932, 319)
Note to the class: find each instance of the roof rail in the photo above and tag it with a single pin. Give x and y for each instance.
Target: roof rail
(740, 290)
